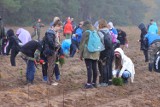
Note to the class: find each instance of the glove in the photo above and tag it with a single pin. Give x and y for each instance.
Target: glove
(126, 45)
(41, 62)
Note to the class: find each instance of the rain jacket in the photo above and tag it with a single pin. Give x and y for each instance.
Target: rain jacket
(68, 29)
(153, 28)
(126, 63)
(23, 35)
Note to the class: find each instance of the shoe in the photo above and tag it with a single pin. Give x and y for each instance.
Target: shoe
(94, 85)
(103, 84)
(87, 86)
(55, 84)
(109, 82)
(125, 81)
(45, 78)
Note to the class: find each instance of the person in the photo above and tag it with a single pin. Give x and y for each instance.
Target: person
(114, 34)
(13, 46)
(37, 28)
(90, 58)
(2, 34)
(54, 20)
(30, 52)
(142, 46)
(153, 43)
(66, 45)
(123, 66)
(106, 56)
(49, 47)
(122, 37)
(68, 29)
(76, 38)
(59, 53)
(23, 35)
(153, 28)
(150, 23)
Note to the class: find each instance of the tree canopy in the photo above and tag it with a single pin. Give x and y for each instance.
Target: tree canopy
(25, 12)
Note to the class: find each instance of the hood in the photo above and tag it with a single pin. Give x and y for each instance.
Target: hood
(154, 23)
(106, 30)
(19, 31)
(120, 51)
(50, 31)
(68, 21)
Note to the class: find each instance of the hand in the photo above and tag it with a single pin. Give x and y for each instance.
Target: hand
(126, 45)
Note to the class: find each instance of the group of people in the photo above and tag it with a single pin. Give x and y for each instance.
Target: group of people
(110, 61)
(150, 44)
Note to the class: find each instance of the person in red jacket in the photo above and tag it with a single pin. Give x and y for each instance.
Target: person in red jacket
(68, 29)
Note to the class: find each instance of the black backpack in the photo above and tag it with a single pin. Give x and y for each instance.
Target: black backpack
(107, 40)
(156, 63)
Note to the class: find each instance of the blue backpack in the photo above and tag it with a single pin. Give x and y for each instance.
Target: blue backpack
(94, 42)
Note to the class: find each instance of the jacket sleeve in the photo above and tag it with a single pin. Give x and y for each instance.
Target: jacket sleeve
(10, 45)
(83, 42)
(51, 40)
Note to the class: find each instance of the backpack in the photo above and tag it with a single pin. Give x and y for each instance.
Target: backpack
(94, 42)
(156, 63)
(107, 40)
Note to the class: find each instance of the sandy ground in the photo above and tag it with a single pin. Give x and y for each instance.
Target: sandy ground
(144, 92)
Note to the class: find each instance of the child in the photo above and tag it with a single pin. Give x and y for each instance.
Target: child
(124, 66)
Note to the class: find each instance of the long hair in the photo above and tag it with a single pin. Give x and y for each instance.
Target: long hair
(118, 64)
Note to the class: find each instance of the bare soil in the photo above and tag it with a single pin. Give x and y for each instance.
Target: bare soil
(144, 92)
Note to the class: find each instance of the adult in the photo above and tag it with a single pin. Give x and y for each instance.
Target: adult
(91, 58)
(124, 67)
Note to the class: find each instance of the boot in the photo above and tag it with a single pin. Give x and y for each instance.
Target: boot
(150, 66)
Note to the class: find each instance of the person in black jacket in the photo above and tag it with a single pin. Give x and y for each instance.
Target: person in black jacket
(143, 46)
(49, 48)
(13, 46)
(122, 37)
(30, 52)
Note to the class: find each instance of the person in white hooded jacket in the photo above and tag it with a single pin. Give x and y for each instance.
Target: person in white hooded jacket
(123, 67)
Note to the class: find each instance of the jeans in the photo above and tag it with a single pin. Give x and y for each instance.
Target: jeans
(104, 72)
(30, 71)
(91, 66)
(57, 73)
(126, 74)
